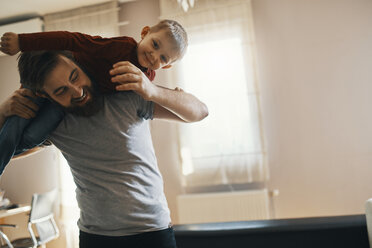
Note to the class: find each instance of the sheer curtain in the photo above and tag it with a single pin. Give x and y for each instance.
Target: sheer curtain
(100, 19)
(219, 67)
(103, 20)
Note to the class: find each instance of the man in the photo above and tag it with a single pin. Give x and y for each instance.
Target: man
(107, 143)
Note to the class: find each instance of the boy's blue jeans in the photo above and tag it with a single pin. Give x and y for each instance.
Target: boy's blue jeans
(18, 134)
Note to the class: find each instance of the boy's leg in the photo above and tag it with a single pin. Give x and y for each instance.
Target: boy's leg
(46, 120)
(18, 135)
(10, 135)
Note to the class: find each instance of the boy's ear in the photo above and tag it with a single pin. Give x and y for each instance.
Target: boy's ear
(145, 31)
(166, 67)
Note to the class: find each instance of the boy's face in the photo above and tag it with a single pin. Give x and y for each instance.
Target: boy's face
(156, 50)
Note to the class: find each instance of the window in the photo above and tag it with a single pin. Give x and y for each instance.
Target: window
(219, 68)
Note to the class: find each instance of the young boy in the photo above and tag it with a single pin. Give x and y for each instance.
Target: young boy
(160, 46)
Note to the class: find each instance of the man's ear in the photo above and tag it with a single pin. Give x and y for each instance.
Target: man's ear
(166, 67)
(145, 31)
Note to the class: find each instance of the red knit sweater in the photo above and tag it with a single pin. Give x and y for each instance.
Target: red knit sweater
(96, 54)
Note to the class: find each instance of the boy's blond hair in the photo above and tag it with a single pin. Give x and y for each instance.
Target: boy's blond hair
(176, 32)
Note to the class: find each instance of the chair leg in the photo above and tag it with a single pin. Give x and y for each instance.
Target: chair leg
(5, 238)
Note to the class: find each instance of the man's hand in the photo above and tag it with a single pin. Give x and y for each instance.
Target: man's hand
(129, 77)
(9, 43)
(19, 104)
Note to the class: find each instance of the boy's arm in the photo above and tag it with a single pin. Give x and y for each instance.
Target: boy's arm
(169, 104)
(12, 43)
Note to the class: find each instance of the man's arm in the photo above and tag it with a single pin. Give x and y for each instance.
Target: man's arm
(18, 104)
(169, 104)
(11, 129)
(178, 105)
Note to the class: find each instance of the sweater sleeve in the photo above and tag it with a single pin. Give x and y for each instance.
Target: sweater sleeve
(95, 46)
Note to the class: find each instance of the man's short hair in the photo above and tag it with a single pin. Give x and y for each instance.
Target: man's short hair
(35, 66)
(176, 32)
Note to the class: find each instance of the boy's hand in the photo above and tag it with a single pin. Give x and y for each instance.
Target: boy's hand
(19, 104)
(129, 77)
(9, 43)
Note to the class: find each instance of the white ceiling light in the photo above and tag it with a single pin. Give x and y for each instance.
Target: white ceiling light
(186, 4)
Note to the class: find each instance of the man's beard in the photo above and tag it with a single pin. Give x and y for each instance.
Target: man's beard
(91, 107)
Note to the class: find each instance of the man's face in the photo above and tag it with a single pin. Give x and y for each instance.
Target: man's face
(156, 50)
(69, 86)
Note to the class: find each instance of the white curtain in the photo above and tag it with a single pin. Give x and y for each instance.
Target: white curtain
(100, 19)
(219, 67)
(103, 20)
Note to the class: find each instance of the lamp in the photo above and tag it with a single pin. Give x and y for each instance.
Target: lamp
(185, 4)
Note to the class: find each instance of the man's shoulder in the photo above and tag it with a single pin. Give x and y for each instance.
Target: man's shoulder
(122, 96)
(130, 101)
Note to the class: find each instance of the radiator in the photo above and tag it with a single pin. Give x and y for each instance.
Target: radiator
(223, 207)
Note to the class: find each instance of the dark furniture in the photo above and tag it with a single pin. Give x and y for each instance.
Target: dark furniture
(336, 231)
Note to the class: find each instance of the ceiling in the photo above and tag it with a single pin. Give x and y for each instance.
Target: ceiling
(12, 9)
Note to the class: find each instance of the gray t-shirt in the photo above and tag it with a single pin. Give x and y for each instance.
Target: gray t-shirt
(112, 159)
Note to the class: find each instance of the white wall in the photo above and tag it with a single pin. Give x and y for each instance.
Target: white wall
(315, 77)
(315, 71)
(9, 76)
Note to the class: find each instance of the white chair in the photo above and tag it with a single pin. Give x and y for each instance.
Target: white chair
(41, 217)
